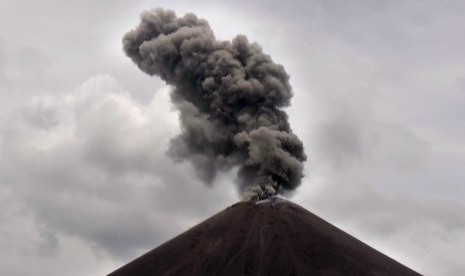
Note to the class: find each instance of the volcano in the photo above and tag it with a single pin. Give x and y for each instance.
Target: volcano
(271, 237)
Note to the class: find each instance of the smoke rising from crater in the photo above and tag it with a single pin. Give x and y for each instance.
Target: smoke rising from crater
(229, 95)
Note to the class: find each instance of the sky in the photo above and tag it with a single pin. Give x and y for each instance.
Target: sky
(379, 103)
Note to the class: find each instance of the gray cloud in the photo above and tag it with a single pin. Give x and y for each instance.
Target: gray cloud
(374, 168)
(229, 95)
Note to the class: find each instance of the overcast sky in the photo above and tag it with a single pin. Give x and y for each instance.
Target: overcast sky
(85, 184)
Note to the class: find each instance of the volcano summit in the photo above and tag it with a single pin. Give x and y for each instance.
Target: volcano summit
(271, 237)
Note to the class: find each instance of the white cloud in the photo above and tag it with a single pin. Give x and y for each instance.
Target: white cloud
(87, 171)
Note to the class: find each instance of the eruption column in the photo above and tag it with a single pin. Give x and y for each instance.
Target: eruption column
(229, 95)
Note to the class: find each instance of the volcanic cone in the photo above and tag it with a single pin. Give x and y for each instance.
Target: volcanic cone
(272, 237)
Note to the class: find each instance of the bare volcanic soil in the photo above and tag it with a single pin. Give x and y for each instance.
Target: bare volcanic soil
(267, 238)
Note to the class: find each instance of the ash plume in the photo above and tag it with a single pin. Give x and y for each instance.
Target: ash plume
(229, 95)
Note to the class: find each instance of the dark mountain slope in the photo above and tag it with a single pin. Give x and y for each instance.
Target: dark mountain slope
(266, 238)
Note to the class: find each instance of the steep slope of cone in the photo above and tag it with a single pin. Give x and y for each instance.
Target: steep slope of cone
(268, 238)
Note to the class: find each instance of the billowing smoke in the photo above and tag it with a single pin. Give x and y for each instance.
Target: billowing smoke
(229, 95)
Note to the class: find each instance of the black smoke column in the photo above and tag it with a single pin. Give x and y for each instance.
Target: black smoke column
(229, 95)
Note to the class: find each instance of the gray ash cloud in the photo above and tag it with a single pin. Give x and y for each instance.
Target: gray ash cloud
(229, 94)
